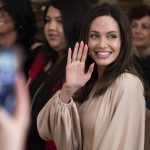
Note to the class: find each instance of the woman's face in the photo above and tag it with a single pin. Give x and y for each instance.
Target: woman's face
(141, 32)
(104, 41)
(53, 30)
(7, 24)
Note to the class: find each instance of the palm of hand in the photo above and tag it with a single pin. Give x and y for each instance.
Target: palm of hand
(76, 76)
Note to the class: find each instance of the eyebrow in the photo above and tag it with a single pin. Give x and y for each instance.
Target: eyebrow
(113, 32)
(107, 32)
(58, 17)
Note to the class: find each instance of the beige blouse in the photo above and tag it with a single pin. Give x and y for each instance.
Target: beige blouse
(113, 121)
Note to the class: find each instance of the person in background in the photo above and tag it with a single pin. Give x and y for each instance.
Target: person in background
(18, 27)
(101, 105)
(139, 16)
(63, 20)
(14, 127)
(145, 64)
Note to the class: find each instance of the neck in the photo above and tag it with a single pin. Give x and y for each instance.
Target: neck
(7, 40)
(100, 72)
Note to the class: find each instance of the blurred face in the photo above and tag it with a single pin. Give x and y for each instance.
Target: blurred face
(104, 41)
(53, 30)
(141, 32)
(7, 24)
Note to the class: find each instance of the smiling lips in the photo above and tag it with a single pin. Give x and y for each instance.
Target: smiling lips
(53, 36)
(138, 38)
(103, 54)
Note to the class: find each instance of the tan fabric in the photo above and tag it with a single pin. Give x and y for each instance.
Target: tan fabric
(113, 121)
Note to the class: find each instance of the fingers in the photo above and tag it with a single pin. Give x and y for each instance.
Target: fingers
(74, 56)
(79, 53)
(84, 55)
(90, 70)
(69, 56)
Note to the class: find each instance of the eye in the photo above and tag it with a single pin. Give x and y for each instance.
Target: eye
(112, 36)
(146, 26)
(133, 25)
(46, 20)
(93, 36)
(59, 20)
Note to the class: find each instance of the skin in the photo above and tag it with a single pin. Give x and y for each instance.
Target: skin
(104, 37)
(14, 128)
(141, 35)
(8, 33)
(53, 30)
(141, 31)
(104, 41)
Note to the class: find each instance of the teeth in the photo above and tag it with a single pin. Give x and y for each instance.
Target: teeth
(103, 53)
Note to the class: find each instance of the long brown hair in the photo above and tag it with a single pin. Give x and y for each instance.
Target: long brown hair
(123, 63)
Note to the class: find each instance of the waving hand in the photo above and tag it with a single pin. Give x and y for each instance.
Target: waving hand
(76, 76)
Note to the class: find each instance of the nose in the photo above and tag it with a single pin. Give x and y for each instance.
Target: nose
(137, 29)
(52, 25)
(102, 43)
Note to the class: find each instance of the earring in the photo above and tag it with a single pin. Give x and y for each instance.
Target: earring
(20, 27)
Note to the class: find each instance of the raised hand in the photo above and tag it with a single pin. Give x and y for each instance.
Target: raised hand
(76, 77)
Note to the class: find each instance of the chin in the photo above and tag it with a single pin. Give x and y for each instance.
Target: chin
(53, 45)
(104, 63)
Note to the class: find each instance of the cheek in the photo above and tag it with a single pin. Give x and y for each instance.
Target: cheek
(11, 26)
(10, 23)
(117, 50)
(45, 28)
(61, 31)
(91, 44)
(148, 34)
(118, 43)
(91, 51)
(117, 47)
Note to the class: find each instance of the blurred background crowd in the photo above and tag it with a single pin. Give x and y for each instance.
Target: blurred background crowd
(39, 6)
(26, 23)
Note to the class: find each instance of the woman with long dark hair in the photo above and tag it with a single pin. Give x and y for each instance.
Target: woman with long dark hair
(101, 105)
(63, 20)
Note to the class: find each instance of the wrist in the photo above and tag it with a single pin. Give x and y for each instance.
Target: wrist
(66, 93)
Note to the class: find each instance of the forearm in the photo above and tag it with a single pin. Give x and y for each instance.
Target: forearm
(60, 121)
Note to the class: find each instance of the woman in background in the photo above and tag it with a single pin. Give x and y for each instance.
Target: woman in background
(139, 16)
(62, 29)
(18, 27)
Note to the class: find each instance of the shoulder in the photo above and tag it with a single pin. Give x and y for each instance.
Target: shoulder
(128, 84)
(129, 81)
(128, 90)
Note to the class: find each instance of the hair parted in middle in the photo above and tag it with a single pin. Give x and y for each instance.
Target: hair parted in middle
(123, 63)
